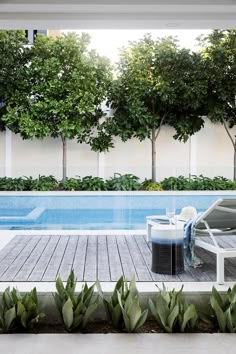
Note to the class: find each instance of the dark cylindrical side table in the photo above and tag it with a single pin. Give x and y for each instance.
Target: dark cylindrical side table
(167, 249)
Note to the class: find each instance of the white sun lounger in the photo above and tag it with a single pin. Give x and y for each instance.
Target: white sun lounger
(218, 220)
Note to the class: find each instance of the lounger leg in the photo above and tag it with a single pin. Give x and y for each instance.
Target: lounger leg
(220, 267)
(149, 229)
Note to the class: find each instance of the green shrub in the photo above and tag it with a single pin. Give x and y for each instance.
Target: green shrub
(172, 312)
(127, 182)
(90, 183)
(175, 183)
(224, 309)
(75, 310)
(149, 185)
(71, 184)
(12, 184)
(19, 311)
(197, 183)
(205, 183)
(42, 183)
(123, 309)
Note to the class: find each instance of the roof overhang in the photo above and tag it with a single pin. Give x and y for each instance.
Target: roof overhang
(115, 14)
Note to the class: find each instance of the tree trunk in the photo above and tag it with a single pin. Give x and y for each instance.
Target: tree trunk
(234, 162)
(64, 158)
(154, 153)
(233, 141)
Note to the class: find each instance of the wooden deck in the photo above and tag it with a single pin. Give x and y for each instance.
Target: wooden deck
(43, 258)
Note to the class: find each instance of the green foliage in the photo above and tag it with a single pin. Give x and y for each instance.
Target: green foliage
(127, 182)
(90, 183)
(42, 183)
(224, 309)
(149, 185)
(71, 184)
(87, 183)
(112, 305)
(122, 308)
(13, 54)
(197, 183)
(175, 183)
(12, 184)
(172, 312)
(158, 83)
(64, 88)
(133, 316)
(19, 311)
(219, 52)
(75, 310)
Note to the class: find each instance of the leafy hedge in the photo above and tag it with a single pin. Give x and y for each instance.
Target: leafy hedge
(197, 183)
(127, 182)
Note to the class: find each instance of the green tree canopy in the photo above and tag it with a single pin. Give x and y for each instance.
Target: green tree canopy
(64, 87)
(219, 52)
(157, 83)
(13, 56)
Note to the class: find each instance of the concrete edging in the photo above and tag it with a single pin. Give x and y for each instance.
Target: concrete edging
(194, 343)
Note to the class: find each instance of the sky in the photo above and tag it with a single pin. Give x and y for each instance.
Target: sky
(108, 42)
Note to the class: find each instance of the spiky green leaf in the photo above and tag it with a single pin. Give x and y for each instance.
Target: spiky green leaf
(67, 313)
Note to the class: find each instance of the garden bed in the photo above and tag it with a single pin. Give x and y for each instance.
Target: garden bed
(126, 182)
(122, 311)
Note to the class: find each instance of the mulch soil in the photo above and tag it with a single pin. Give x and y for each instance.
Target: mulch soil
(102, 327)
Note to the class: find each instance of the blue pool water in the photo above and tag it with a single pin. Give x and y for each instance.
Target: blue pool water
(92, 212)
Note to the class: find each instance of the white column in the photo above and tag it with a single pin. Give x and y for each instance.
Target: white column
(8, 154)
(31, 36)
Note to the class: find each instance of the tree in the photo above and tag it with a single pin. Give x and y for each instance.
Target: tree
(220, 55)
(13, 54)
(64, 87)
(157, 83)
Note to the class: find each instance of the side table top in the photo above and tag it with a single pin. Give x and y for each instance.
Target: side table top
(179, 225)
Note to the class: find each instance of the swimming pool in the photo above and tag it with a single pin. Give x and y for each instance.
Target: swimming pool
(93, 210)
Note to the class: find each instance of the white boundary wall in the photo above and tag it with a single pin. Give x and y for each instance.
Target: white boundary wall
(208, 152)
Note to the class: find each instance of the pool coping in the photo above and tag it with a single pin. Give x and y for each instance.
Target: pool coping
(122, 193)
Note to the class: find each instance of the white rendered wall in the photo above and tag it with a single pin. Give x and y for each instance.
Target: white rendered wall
(44, 157)
(135, 157)
(34, 157)
(213, 151)
(130, 157)
(81, 161)
(210, 153)
(172, 155)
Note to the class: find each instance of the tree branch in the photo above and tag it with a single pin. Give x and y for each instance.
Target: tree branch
(229, 135)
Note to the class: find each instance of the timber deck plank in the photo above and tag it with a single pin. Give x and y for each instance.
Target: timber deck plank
(92, 257)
